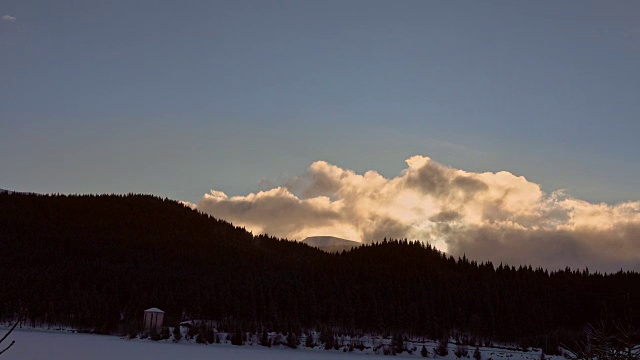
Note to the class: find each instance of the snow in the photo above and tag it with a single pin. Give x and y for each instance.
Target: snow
(155, 310)
(63, 345)
(330, 243)
(324, 241)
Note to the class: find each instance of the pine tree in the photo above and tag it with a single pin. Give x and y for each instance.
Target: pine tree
(264, 339)
(292, 340)
(210, 335)
(424, 352)
(193, 331)
(202, 335)
(398, 343)
(309, 341)
(442, 349)
(176, 334)
(237, 338)
(326, 337)
(461, 351)
(165, 334)
(476, 354)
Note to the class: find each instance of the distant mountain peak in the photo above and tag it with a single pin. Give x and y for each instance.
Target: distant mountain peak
(331, 243)
(5, 191)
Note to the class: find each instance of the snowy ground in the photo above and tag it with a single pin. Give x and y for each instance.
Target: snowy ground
(35, 344)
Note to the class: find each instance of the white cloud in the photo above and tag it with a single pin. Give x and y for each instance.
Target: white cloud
(8, 18)
(487, 216)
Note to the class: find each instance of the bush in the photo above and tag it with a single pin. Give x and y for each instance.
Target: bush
(133, 332)
(134, 328)
(154, 335)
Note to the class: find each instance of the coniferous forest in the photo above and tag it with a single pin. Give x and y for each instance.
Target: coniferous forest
(96, 262)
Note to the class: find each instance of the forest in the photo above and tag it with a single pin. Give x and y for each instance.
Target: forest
(95, 262)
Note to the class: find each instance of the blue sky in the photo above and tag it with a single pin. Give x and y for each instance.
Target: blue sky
(174, 98)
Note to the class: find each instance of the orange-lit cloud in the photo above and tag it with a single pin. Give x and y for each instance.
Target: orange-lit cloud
(487, 216)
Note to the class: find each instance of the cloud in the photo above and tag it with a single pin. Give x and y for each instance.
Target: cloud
(487, 216)
(8, 18)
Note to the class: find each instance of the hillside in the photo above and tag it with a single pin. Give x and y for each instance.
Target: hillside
(96, 262)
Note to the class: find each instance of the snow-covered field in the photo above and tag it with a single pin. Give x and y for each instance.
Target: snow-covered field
(35, 344)
(65, 346)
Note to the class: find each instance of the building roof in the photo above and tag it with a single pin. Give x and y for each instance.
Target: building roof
(154, 309)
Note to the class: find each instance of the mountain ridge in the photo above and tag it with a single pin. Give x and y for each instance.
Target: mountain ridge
(331, 243)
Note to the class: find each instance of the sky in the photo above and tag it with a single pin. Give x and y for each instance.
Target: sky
(241, 98)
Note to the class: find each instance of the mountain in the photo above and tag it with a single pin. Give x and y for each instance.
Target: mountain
(331, 243)
(95, 262)
(15, 192)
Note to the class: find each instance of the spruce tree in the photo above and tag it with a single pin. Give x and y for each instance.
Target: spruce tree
(292, 340)
(309, 341)
(442, 349)
(398, 343)
(176, 334)
(210, 335)
(264, 339)
(237, 338)
(165, 334)
(326, 338)
(476, 354)
(202, 335)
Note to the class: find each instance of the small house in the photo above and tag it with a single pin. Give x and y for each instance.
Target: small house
(153, 319)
